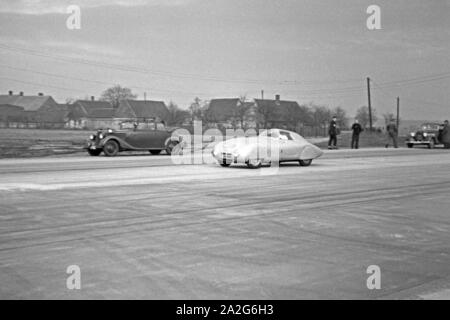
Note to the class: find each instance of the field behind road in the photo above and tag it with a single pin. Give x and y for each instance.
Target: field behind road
(140, 227)
(26, 143)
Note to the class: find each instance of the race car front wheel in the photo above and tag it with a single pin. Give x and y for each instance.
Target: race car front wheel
(254, 163)
(170, 146)
(305, 163)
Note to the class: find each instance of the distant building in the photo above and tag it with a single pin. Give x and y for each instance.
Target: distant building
(10, 114)
(36, 111)
(231, 113)
(90, 114)
(279, 113)
(139, 110)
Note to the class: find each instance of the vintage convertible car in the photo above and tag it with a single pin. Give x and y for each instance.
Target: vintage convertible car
(274, 145)
(132, 136)
(429, 135)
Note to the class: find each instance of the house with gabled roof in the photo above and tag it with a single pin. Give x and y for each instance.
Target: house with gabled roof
(37, 111)
(278, 113)
(10, 114)
(90, 114)
(28, 103)
(141, 110)
(230, 113)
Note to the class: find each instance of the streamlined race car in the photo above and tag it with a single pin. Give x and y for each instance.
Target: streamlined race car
(273, 145)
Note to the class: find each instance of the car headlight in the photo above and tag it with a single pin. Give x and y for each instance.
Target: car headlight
(101, 136)
(412, 134)
(91, 137)
(425, 134)
(110, 130)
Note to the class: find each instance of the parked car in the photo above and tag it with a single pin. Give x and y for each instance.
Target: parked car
(133, 136)
(429, 134)
(274, 145)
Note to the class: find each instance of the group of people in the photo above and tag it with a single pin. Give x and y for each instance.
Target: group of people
(334, 131)
(391, 129)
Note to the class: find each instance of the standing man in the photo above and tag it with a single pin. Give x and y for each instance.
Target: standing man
(333, 131)
(392, 131)
(446, 135)
(357, 129)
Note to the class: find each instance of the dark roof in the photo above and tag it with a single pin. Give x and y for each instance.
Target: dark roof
(96, 109)
(29, 103)
(10, 107)
(101, 113)
(282, 108)
(148, 109)
(90, 104)
(222, 109)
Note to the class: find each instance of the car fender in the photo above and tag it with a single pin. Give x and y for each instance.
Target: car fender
(310, 151)
(172, 138)
(121, 142)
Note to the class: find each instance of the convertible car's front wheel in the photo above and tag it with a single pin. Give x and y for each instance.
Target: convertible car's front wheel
(95, 152)
(170, 146)
(155, 152)
(111, 148)
(305, 163)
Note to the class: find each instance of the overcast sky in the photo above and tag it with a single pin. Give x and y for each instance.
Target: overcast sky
(304, 50)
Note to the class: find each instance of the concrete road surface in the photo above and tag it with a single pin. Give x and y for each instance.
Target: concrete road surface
(140, 227)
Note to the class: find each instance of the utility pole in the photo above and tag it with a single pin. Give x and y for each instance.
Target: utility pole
(398, 113)
(262, 94)
(370, 103)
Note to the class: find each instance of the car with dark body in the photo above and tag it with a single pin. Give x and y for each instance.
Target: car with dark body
(133, 136)
(429, 134)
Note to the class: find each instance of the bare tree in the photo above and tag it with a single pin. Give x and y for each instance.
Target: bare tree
(264, 112)
(362, 114)
(240, 111)
(341, 115)
(388, 117)
(195, 109)
(114, 94)
(177, 115)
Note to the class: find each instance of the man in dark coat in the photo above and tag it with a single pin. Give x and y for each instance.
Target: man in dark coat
(446, 135)
(392, 132)
(333, 132)
(357, 129)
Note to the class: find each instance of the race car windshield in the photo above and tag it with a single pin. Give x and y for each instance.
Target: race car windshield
(285, 135)
(297, 137)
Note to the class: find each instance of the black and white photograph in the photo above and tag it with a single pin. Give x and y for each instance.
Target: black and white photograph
(224, 150)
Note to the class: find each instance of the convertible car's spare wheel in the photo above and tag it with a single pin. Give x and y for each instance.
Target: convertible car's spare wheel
(95, 152)
(431, 144)
(305, 163)
(155, 152)
(170, 145)
(111, 148)
(254, 163)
